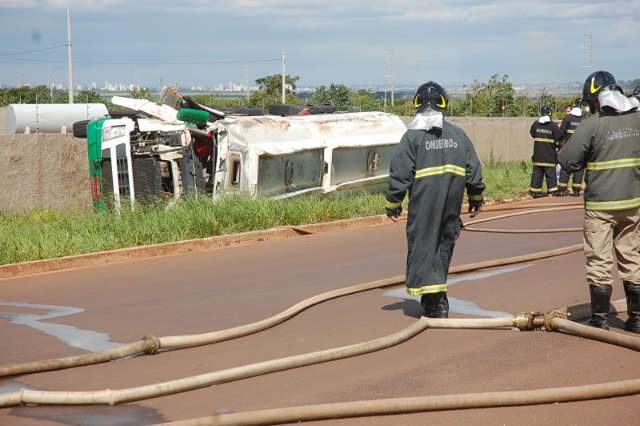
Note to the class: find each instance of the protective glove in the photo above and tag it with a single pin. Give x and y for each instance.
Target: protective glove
(394, 213)
(474, 207)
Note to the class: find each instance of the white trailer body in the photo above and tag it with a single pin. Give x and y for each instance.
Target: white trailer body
(287, 156)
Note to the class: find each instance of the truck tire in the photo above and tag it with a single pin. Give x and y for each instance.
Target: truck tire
(80, 129)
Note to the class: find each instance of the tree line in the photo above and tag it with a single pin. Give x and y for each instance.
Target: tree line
(495, 97)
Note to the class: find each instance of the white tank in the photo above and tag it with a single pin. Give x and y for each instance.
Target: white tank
(49, 118)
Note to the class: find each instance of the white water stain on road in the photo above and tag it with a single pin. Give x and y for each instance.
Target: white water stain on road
(461, 306)
(88, 340)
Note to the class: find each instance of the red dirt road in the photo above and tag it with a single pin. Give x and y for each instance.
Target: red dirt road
(219, 289)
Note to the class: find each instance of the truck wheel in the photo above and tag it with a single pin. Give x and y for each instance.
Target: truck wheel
(80, 129)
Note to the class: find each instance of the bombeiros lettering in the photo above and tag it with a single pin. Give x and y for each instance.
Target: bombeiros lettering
(440, 144)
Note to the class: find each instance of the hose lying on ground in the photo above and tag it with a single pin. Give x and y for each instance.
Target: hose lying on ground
(153, 344)
(523, 231)
(26, 396)
(551, 322)
(407, 405)
(110, 397)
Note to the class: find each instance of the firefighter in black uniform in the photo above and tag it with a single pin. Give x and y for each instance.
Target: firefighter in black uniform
(434, 163)
(567, 129)
(545, 136)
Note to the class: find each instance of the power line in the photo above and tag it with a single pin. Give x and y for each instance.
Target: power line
(25, 52)
(253, 61)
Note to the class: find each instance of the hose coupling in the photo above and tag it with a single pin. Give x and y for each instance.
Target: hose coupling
(548, 319)
(528, 321)
(151, 344)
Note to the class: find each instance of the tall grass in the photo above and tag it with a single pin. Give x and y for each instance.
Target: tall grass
(46, 233)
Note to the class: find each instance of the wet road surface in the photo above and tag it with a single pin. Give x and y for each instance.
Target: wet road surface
(214, 290)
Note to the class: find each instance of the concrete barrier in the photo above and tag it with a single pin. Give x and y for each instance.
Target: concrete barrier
(497, 138)
(52, 170)
(45, 170)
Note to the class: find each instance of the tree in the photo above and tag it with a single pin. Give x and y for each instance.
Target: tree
(89, 96)
(140, 93)
(363, 100)
(337, 95)
(270, 91)
(220, 101)
(272, 84)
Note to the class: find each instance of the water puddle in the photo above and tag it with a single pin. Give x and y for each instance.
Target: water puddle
(88, 340)
(460, 306)
(119, 415)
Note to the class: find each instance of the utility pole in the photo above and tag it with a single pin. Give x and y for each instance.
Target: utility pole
(284, 70)
(248, 85)
(70, 63)
(385, 95)
(391, 75)
(51, 83)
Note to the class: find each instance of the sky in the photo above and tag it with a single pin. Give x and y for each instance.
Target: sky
(199, 42)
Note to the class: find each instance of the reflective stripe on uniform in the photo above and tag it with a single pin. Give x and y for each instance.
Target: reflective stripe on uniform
(475, 197)
(440, 170)
(535, 189)
(613, 164)
(544, 164)
(427, 289)
(554, 189)
(571, 131)
(545, 140)
(613, 205)
(576, 185)
(562, 185)
(391, 205)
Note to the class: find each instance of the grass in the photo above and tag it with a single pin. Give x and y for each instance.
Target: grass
(46, 233)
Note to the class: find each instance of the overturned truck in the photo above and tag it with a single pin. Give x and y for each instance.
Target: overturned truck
(158, 152)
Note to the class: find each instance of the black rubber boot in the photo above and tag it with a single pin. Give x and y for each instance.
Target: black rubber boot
(632, 291)
(600, 298)
(536, 195)
(435, 305)
(560, 193)
(576, 193)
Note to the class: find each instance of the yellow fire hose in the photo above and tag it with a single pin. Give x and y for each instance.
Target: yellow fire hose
(153, 344)
(554, 321)
(26, 396)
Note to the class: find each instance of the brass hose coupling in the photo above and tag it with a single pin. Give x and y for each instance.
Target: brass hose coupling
(528, 321)
(548, 319)
(151, 345)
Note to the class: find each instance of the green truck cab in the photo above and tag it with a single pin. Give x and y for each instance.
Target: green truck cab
(110, 165)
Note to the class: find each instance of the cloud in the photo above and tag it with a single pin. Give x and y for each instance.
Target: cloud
(336, 40)
(58, 4)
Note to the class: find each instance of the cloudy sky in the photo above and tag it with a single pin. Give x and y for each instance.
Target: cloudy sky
(344, 41)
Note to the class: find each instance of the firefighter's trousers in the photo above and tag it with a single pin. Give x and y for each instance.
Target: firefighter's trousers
(538, 175)
(606, 232)
(576, 184)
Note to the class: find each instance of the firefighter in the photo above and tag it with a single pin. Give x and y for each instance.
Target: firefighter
(545, 136)
(607, 144)
(434, 163)
(567, 129)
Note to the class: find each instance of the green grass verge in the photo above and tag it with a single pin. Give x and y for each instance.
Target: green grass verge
(46, 233)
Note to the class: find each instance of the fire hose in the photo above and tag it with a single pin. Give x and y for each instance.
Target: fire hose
(153, 344)
(524, 321)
